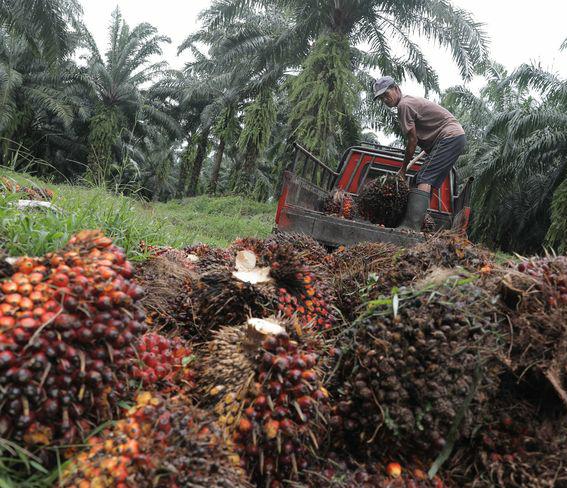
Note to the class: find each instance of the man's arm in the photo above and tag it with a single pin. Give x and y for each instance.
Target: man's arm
(410, 150)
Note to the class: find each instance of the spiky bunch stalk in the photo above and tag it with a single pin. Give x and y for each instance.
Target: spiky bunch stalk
(168, 276)
(68, 322)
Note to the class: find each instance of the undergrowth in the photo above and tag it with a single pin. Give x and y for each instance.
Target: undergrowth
(216, 221)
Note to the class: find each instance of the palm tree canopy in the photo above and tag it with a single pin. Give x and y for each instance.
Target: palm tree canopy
(45, 24)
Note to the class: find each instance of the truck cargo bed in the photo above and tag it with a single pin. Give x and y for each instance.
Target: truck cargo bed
(335, 231)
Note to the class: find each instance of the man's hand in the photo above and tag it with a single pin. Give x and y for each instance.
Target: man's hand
(410, 151)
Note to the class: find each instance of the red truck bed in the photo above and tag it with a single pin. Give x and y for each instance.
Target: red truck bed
(308, 182)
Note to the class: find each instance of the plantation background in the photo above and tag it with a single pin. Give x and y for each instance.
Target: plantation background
(258, 76)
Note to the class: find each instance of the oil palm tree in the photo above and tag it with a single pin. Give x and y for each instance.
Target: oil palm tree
(518, 154)
(324, 38)
(231, 80)
(39, 103)
(122, 110)
(44, 24)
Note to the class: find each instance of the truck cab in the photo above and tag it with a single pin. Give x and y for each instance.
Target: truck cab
(307, 183)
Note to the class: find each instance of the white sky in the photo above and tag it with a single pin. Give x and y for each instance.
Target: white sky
(520, 30)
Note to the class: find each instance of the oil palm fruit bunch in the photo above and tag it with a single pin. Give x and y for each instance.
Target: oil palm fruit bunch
(428, 225)
(164, 363)
(341, 204)
(354, 269)
(407, 266)
(520, 442)
(208, 258)
(266, 389)
(383, 201)
(302, 294)
(168, 277)
(417, 372)
(268, 278)
(68, 323)
(31, 193)
(162, 444)
(227, 297)
(312, 253)
(551, 275)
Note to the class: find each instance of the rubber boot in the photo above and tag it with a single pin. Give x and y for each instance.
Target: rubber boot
(418, 204)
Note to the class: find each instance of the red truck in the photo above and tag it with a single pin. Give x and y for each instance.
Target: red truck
(307, 182)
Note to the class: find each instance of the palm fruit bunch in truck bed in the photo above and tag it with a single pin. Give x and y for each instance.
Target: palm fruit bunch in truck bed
(415, 368)
(341, 204)
(266, 389)
(160, 443)
(383, 201)
(68, 323)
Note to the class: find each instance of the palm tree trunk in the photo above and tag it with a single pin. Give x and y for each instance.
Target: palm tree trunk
(247, 171)
(217, 165)
(198, 163)
(184, 170)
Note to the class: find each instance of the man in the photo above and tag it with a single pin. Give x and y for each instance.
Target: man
(436, 131)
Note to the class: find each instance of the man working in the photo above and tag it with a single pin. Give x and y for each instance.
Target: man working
(436, 131)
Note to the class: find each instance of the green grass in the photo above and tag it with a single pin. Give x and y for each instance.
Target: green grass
(213, 220)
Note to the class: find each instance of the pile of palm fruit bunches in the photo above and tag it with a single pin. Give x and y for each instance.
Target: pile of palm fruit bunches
(275, 363)
(382, 201)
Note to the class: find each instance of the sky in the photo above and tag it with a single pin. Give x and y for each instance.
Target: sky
(520, 31)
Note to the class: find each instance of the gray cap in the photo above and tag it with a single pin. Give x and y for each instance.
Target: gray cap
(381, 85)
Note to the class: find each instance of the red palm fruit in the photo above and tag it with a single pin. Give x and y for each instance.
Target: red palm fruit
(26, 265)
(60, 280)
(13, 299)
(244, 426)
(9, 287)
(6, 322)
